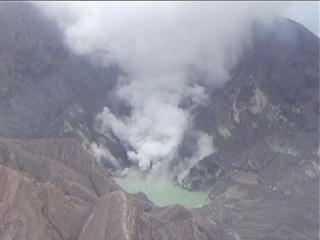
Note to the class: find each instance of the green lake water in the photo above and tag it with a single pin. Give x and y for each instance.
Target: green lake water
(162, 192)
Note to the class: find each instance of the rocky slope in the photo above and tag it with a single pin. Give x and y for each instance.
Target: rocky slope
(53, 189)
(44, 87)
(263, 176)
(270, 107)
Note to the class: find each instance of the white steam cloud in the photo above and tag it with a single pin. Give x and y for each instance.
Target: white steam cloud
(204, 149)
(103, 154)
(169, 51)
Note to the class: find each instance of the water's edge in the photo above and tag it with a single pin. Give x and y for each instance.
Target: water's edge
(162, 191)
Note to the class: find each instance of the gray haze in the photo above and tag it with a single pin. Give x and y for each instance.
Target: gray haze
(306, 13)
(160, 45)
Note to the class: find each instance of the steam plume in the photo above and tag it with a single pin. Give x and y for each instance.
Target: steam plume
(170, 52)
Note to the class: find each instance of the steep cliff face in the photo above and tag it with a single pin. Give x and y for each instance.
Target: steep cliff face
(268, 110)
(264, 175)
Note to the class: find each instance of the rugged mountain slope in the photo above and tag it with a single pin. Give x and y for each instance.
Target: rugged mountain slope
(45, 89)
(270, 106)
(53, 189)
(264, 175)
(33, 210)
(264, 122)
